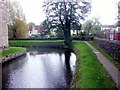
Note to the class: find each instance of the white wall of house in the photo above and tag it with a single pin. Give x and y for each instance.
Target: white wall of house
(34, 31)
(74, 32)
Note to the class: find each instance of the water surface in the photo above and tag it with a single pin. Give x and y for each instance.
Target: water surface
(40, 68)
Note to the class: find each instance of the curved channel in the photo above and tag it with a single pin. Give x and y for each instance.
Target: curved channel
(40, 68)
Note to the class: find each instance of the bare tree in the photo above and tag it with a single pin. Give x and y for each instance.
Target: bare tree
(65, 13)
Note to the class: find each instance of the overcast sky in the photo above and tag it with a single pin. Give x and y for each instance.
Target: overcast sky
(105, 9)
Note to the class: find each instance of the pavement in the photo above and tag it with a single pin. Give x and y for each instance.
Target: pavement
(113, 71)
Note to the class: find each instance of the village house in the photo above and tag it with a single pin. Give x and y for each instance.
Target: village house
(32, 28)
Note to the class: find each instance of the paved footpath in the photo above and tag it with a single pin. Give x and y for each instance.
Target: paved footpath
(110, 68)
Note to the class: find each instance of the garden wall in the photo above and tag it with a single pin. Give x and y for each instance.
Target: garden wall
(111, 47)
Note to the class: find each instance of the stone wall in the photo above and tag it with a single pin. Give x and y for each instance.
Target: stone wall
(111, 47)
(11, 57)
(0, 24)
(4, 17)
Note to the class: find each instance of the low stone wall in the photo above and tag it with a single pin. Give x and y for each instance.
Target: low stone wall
(10, 57)
(111, 47)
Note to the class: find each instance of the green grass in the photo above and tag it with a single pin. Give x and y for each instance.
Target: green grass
(33, 42)
(105, 54)
(0, 54)
(89, 71)
(12, 50)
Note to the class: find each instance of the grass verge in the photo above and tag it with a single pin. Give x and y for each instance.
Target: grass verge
(105, 54)
(0, 54)
(12, 50)
(89, 71)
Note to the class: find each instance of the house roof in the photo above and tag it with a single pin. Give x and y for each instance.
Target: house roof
(108, 26)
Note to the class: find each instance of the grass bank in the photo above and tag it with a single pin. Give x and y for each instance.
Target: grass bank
(12, 50)
(46, 43)
(105, 54)
(0, 54)
(89, 71)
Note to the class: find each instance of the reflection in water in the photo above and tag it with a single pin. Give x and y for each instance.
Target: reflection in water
(67, 58)
(40, 70)
(68, 68)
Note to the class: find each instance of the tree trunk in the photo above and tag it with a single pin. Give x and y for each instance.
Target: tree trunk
(67, 33)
